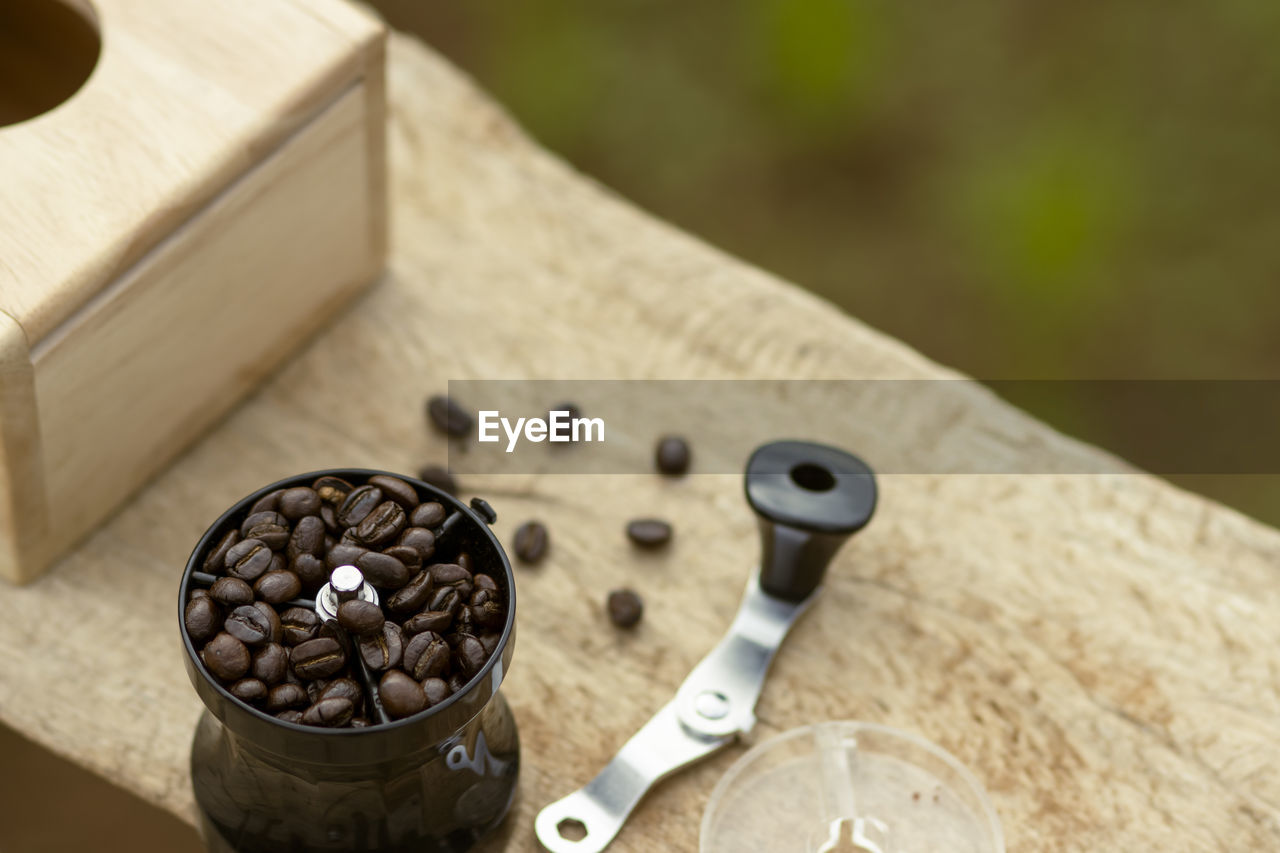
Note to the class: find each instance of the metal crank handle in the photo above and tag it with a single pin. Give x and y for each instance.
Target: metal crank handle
(808, 499)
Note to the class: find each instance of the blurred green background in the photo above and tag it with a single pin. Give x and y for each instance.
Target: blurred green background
(1019, 190)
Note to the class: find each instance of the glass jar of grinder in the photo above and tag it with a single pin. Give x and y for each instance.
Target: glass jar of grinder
(437, 780)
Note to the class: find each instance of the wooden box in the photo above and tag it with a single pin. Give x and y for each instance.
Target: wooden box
(211, 194)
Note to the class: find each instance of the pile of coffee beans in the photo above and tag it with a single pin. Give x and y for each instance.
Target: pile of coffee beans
(439, 620)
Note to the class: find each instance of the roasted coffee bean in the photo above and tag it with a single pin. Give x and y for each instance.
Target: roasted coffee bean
(270, 528)
(456, 682)
(198, 593)
(275, 626)
(464, 622)
(299, 502)
(290, 716)
(401, 696)
(486, 609)
(382, 570)
(464, 560)
(299, 624)
(285, 696)
(249, 690)
(277, 587)
(672, 455)
(438, 621)
(278, 563)
(232, 592)
(625, 608)
(384, 650)
(360, 617)
(270, 663)
(451, 575)
(483, 581)
(468, 655)
(330, 631)
(426, 655)
(310, 570)
(249, 625)
(307, 537)
(410, 557)
(226, 657)
(380, 527)
(329, 713)
(329, 515)
(429, 515)
(489, 640)
(419, 539)
(343, 554)
(269, 502)
(397, 490)
(531, 541)
(318, 658)
(332, 490)
(445, 600)
(247, 559)
(439, 477)
(412, 596)
(649, 532)
(435, 690)
(448, 416)
(202, 619)
(344, 688)
(216, 561)
(358, 505)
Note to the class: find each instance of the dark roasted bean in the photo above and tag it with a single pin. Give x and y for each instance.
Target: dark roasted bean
(269, 502)
(412, 596)
(672, 455)
(464, 622)
(488, 611)
(318, 658)
(419, 539)
(401, 696)
(202, 619)
(343, 688)
(278, 563)
(435, 475)
(380, 527)
(270, 663)
(299, 502)
(397, 490)
(483, 581)
(489, 640)
(275, 627)
(299, 624)
(247, 559)
(217, 559)
(452, 575)
(382, 570)
(358, 505)
(625, 608)
(429, 515)
(330, 713)
(329, 515)
(332, 490)
(232, 592)
(291, 716)
(531, 541)
(270, 528)
(468, 655)
(435, 690)
(464, 560)
(426, 655)
(343, 554)
(438, 621)
(226, 657)
(384, 650)
(360, 617)
(649, 532)
(277, 587)
(445, 600)
(249, 625)
(310, 570)
(411, 558)
(198, 593)
(285, 696)
(456, 682)
(307, 537)
(249, 690)
(447, 416)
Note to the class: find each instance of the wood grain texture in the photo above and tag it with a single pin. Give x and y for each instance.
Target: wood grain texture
(1102, 650)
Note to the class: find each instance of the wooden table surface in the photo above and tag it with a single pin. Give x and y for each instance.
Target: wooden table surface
(1102, 650)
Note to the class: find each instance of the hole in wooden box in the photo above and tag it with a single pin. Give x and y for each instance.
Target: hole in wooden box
(48, 49)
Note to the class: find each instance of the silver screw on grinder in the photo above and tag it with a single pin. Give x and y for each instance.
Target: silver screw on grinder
(345, 584)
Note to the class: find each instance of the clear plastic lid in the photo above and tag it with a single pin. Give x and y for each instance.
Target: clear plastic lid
(848, 787)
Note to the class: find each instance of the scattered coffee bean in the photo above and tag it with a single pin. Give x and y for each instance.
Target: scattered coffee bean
(411, 558)
(249, 690)
(469, 655)
(217, 559)
(649, 532)
(329, 515)
(299, 625)
(249, 625)
(435, 690)
(625, 608)
(383, 650)
(426, 655)
(310, 570)
(318, 658)
(362, 501)
(531, 542)
(270, 663)
(419, 539)
(483, 581)
(343, 554)
(489, 640)
(231, 592)
(343, 688)
(269, 528)
(329, 713)
(247, 559)
(290, 716)
(202, 619)
(401, 696)
(269, 502)
(456, 682)
(412, 596)
(393, 488)
(307, 537)
(672, 455)
(277, 587)
(275, 628)
(448, 416)
(332, 490)
(428, 515)
(486, 610)
(226, 657)
(435, 475)
(298, 503)
(382, 570)
(380, 527)
(430, 620)
(285, 696)
(360, 617)
(445, 600)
